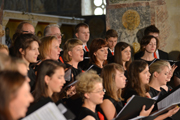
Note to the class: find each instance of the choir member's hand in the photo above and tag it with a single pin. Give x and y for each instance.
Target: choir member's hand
(168, 114)
(146, 112)
(173, 111)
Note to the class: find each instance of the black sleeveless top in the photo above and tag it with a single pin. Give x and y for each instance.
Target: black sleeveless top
(32, 76)
(85, 112)
(153, 92)
(150, 62)
(117, 104)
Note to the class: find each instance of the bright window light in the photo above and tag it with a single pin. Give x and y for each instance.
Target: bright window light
(98, 11)
(98, 2)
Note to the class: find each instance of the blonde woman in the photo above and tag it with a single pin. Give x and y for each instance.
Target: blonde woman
(90, 88)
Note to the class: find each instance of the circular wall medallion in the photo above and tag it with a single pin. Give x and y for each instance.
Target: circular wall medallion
(131, 19)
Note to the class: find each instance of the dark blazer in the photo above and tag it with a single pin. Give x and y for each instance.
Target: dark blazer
(109, 54)
(163, 55)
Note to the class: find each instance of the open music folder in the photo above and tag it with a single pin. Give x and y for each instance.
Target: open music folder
(168, 102)
(47, 112)
(133, 107)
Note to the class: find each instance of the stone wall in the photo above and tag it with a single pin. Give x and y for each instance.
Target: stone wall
(129, 16)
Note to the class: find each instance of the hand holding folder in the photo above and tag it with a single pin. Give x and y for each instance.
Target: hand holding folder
(134, 106)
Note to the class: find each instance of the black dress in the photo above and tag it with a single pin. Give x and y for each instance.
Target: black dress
(150, 62)
(95, 68)
(117, 104)
(128, 93)
(87, 112)
(74, 73)
(153, 92)
(74, 103)
(32, 76)
(38, 104)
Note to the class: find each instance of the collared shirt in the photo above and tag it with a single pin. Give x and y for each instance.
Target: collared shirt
(85, 48)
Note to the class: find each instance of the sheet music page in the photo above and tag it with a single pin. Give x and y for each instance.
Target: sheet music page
(170, 99)
(166, 108)
(47, 112)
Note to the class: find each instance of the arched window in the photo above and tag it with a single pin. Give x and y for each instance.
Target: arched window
(93, 7)
(99, 7)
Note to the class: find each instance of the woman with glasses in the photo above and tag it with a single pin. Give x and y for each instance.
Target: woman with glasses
(90, 88)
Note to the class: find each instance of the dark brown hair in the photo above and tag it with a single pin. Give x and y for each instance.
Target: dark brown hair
(96, 44)
(134, 82)
(47, 67)
(146, 40)
(111, 33)
(10, 82)
(151, 29)
(24, 41)
(120, 46)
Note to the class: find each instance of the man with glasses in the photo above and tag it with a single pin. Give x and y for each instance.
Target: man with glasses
(53, 30)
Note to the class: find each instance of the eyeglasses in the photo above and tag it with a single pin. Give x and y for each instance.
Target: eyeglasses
(59, 35)
(100, 91)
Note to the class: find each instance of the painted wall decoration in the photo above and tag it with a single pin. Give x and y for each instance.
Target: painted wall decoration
(127, 21)
(127, 17)
(131, 19)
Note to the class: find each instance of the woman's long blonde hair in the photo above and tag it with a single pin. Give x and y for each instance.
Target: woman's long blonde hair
(108, 74)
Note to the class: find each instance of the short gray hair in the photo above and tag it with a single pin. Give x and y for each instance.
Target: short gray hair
(49, 26)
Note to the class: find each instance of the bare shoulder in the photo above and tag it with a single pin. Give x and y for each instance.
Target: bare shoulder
(107, 102)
